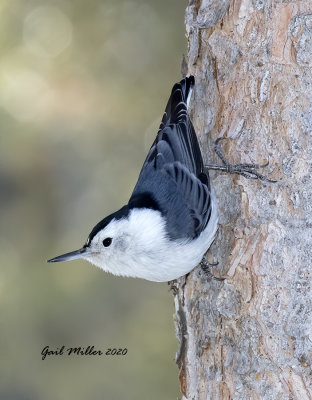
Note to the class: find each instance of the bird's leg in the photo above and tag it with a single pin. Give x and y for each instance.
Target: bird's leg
(205, 265)
(246, 170)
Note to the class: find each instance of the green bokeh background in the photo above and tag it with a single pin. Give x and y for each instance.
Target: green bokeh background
(83, 85)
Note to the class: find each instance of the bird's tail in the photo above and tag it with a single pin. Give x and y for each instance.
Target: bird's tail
(187, 85)
(178, 102)
(181, 93)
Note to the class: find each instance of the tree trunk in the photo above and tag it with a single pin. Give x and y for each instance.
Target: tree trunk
(250, 336)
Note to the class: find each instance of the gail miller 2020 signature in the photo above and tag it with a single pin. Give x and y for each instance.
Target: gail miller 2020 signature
(82, 351)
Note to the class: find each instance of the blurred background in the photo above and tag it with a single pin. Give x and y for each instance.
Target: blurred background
(83, 86)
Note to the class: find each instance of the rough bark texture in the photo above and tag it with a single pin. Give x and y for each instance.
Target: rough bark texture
(250, 337)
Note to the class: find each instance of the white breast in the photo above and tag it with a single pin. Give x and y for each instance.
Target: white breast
(155, 257)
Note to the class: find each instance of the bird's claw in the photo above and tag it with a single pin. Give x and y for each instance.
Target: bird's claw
(244, 169)
(205, 265)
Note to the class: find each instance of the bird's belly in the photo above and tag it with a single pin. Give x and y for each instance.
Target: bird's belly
(178, 257)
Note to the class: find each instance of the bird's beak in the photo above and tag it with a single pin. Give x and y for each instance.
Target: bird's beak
(73, 255)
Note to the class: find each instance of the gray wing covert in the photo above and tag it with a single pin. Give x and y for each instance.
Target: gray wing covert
(195, 194)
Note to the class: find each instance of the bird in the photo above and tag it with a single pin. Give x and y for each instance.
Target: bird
(171, 217)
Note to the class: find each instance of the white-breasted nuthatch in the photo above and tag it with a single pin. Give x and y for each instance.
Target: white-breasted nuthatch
(171, 218)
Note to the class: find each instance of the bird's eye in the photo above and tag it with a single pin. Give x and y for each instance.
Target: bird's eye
(107, 242)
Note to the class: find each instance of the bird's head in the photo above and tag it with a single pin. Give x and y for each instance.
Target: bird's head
(121, 241)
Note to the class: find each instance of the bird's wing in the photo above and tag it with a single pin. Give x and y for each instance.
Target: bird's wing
(195, 194)
(172, 178)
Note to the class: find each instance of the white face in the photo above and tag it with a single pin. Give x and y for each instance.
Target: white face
(108, 244)
(127, 244)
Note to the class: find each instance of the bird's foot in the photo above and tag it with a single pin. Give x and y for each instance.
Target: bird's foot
(173, 287)
(205, 265)
(246, 170)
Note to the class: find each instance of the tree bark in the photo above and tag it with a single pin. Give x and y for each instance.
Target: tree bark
(250, 337)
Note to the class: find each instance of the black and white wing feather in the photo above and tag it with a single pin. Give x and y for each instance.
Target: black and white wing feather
(172, 179)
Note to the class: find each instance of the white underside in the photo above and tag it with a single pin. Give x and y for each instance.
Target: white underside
(142, 249)
(180, 257)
